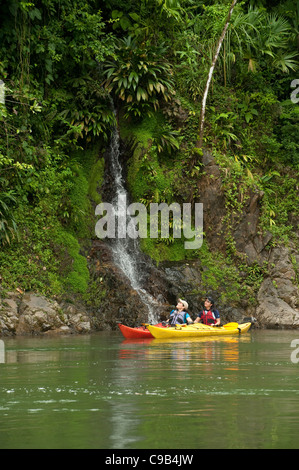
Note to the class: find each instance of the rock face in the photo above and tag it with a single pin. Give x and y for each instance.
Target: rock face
(278, 297)
(248, 241)
(113, 300)
(32, 314)
(166, 284)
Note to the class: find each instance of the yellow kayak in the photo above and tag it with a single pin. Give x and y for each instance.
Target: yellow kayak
(198, 330)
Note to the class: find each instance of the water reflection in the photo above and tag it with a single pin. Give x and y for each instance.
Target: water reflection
(124, 431)
(43, 349)
(172, 371)
(99, 391)
(185, 351)
(124, 384)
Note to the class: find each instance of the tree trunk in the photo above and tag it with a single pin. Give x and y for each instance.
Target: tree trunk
(204, 99)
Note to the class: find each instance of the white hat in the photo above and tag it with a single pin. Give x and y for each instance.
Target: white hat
(184, 303)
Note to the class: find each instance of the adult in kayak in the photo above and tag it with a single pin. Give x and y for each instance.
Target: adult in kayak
(180, 314)
(209, 315)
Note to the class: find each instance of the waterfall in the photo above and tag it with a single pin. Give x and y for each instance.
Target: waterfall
(126, 252)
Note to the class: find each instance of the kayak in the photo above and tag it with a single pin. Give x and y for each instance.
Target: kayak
(198, 330)
(136, 332)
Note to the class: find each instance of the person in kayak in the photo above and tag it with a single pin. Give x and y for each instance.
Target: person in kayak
(180, 314)
(209, 315)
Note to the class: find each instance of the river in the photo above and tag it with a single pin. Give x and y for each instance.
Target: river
(103, 392)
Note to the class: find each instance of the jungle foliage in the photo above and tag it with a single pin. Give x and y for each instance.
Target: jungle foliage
(62, 62)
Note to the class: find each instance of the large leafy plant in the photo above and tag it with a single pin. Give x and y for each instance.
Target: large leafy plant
(258, 37)
(140, 76)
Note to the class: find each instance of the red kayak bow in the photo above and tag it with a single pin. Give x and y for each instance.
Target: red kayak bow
(136, 332)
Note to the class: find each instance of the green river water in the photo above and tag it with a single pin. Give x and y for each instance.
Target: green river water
(103, 392)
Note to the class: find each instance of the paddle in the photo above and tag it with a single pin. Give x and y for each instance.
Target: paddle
(197, 326)
(232, 325)
(200, 326)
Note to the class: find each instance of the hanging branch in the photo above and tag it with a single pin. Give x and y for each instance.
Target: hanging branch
(204, 99)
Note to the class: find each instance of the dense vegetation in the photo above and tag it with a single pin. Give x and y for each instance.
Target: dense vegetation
(62, 62)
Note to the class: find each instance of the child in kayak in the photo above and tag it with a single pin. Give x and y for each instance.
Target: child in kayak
(209, 315)
(180, 314)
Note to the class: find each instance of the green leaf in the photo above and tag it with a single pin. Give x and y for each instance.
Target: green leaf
(248, 117)
(116, 14)
(125, 23)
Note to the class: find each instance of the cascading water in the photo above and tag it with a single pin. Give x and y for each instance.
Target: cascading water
(126, 253)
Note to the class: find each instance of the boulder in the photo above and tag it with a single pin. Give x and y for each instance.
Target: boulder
(9, 313)
(33, 314)
(278, 297)
(273, 311)
(37, 315)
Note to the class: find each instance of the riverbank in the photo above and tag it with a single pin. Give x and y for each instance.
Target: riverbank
(29, 313)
